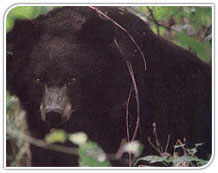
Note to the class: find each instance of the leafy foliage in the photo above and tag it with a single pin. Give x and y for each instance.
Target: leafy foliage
(188, 26)
(92, 155)
(24, 12)
(186, 160)
(89, 152)
(182, 156)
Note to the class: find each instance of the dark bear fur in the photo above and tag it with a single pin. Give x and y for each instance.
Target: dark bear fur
(78, 42)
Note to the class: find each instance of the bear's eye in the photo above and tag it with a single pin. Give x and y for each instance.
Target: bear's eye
(71, 81)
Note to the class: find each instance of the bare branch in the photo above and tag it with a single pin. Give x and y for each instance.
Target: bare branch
(41, 143)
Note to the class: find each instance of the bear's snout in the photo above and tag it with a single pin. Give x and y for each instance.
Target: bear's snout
(55, 106)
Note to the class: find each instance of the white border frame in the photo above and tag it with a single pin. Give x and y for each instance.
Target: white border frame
(212, 5)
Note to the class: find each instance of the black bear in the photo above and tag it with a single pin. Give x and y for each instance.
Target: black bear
(92, 68)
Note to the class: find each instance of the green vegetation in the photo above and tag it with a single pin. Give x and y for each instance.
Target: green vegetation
(25, 12)
(189, 27)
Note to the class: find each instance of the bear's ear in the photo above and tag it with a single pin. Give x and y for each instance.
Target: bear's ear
(19, 43)
(97, 31)
(23, 35)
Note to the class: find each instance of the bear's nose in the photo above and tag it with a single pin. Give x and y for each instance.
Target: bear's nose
(53, 118)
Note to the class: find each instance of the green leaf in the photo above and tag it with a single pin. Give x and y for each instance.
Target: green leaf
(56, 136)
(133, 147)
(152, 159)
(201, 49)
(9, 102)
(24, 12)
(92, 155)
(192, 151)
(164, 13)
(189, 159)
(199, 144)
(179, 146)
(78, 138)
(9, 24)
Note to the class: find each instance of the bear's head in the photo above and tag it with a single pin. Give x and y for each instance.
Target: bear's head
(62, 67)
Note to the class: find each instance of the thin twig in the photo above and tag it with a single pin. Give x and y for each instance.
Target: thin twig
(125, 31)
(156, 136)
(132, 76)
(130, 69)
(54, 147)
(127, 114)
(129, 65)
(41, 143)
(156, 22)
(127, 123)
(168, 142)
(153, 146)
(186, 151)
